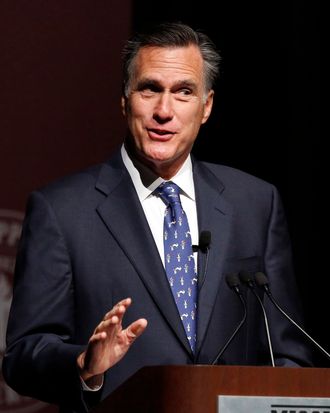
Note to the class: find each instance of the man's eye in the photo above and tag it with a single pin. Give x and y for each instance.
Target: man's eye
(148, 91)
(185, 92)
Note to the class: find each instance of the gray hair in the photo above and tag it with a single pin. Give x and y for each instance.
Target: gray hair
(172, 35)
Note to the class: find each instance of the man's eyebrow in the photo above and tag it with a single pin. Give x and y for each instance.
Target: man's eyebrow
(185, 84)
(147, 83)
(153, 83)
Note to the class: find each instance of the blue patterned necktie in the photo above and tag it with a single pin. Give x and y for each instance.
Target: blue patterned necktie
(179, 259)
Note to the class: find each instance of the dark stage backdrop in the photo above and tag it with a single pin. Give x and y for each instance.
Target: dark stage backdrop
(266, 116)
(60, 88)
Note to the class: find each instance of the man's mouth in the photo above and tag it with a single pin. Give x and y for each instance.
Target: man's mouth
(162, 134)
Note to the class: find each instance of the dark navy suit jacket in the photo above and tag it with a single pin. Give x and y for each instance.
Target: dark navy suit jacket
(86, 245)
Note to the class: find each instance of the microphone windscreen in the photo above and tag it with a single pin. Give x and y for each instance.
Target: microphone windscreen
(245, 277)
(261, 279)
(232, 280)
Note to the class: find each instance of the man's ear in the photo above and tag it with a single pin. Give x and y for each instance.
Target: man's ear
(208, 106)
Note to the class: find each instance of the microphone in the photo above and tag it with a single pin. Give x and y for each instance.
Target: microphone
(246, 278)
(262, 281)
(233, 283)
(203, 242)
(204, 246)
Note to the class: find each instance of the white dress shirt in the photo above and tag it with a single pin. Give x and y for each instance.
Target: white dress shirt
(154, 207)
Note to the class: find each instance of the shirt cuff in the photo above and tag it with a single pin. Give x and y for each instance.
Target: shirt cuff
(94, 388)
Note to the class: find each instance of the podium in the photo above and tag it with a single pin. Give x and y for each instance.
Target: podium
(195, 389)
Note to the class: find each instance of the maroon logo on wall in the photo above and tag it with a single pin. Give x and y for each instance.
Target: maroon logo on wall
(10, 231)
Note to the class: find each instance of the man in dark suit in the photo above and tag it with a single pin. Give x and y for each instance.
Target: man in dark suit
(93, 298)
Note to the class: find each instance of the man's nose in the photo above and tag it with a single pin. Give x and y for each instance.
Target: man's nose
(164, 107)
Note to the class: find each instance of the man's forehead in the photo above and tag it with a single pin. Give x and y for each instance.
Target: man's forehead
(179, 63)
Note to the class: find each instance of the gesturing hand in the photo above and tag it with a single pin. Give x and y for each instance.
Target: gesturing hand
(109, 342)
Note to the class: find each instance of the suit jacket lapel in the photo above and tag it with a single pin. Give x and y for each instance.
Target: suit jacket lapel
(123, 215)
(215, 215)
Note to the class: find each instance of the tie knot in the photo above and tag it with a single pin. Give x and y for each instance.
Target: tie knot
(169, 192)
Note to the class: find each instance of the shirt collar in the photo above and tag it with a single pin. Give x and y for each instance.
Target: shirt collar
(145, 181)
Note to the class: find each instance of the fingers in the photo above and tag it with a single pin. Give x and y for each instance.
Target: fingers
(98, 337)
(112, 324)
(118, 310)
(110, 342)
(134, 330)
(115, 317)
